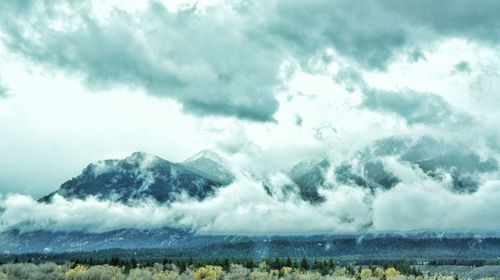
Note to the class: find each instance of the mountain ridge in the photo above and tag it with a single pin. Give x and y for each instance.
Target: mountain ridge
(137, 177)
(143, 176)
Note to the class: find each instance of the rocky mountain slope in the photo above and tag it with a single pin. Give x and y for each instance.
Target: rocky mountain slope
(143, 176)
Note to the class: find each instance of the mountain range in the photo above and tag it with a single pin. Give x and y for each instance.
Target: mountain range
(143, 176)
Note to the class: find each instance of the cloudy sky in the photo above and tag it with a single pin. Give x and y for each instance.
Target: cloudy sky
(266, 84)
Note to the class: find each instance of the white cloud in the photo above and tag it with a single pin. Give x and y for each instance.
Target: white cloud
(428, 205)
(244, 207)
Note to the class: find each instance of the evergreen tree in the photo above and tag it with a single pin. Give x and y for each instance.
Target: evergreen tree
(226, 264)
(304, 264)
(249, 264)
(276, 264)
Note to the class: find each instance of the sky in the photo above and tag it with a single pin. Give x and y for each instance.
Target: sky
(265, 84)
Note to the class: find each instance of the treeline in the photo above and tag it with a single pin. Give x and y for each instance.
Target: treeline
(323, 266)
(223, 269)
(275, 263)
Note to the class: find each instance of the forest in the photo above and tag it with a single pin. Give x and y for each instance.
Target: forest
(277, 268)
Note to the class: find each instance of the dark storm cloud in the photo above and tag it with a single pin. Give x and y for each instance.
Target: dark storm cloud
(473, 20)
(210, 66)
(356, 29)
(373, 33)
(415, 107)
(227, 61)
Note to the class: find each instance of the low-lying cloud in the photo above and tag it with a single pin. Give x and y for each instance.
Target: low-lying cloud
(244, 207)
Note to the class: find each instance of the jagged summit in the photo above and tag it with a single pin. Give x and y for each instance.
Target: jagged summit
(145, 176)
(207, 154)
(211, 165)
(141, 156)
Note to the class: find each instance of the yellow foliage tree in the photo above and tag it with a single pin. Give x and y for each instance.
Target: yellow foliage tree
(391, 272)
(365, 273)
(76, 272)
(208, 272)
(378, 272)
(275, 272)
(341, 271)
(263, 265)
(286, 270)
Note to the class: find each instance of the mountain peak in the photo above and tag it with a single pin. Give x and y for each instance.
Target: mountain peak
(207, 154)
(141, 156)
(138, 154)
(211, 165)
(144, 160)
(137, 177)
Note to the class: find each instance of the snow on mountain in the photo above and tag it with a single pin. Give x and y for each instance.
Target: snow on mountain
(210, 165)
(137, 177)
(143, 176)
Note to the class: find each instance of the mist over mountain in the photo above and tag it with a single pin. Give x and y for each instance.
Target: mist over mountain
(163, 202)
(143, 176)
(437, 159)
(210, 165)
(376, 167)
(207, 193)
